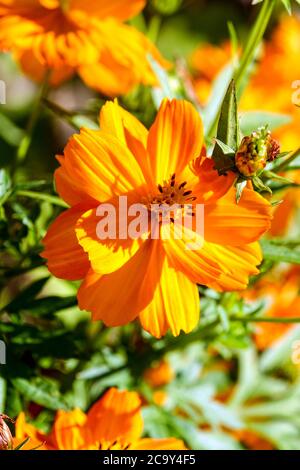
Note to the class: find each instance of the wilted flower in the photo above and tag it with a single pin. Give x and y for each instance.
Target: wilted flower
(6, 440)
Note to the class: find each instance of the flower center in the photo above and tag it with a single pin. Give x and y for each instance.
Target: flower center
(116, 445)
(172, 196)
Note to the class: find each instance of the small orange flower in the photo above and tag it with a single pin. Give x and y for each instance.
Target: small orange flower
(252, 440)
(67, 36)
(113, 423)
(282, 301)
(153, 279)
(271, 79)
(159, 374)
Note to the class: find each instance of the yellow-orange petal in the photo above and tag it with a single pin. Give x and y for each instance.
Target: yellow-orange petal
(158, 444)
(125, 127)
(68, 190)
(117, 298)
(38, 71)
(53, 38)
(105, 256)
(208, 185)
(24, 429)
(98, 165)
(32, 444)
(113, 8)
(69, 431)
(66, 259)
(104, 76)
(197, 263)
(115, 120)
(216, 266)
(283, 215)
(175, 305)
(229, 223)
(237, 264)
(124, 54)
(175, 138)
(159, 374)
(116, 417)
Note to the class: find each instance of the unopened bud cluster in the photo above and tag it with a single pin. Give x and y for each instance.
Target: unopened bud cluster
(255, 152)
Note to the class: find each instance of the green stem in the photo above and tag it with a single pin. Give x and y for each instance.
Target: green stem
(266, 319)
(249, 53)
(287, 161)
(154, 27)
(185, 340)
(254, 40)
(43, 197)
(27, 139)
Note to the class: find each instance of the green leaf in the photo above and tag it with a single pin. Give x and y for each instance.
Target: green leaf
(43, 197)
(233, 38)
(260, 186)
(79, 121)
(2, 394)
(253, 119)
(40, 391)
(271, 175)
(280, 352)
(212, 109)
(5, 185)
(287, 5)
(276, 203)
(26, 295)
(240, 186)
(22, 444)
(49, 305)
(166, 89)
(9, 132)
(228, 130)
(280, 252)
(225, 148)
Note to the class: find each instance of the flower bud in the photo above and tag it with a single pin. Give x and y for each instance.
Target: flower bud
(255, 152)
(6, 440)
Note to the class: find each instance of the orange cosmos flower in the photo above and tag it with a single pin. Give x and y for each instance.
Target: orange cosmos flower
(157, 376)
(152, 279)
(281, 295)
(113, 423)
(284, 302)
(67, 36)
(270, 78)
(252, 440)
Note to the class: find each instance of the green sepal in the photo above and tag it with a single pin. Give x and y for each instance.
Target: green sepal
(228, 132)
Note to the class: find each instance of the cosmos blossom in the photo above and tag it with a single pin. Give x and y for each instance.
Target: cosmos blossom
(113, 423)
(153, 280)
(61, 37)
